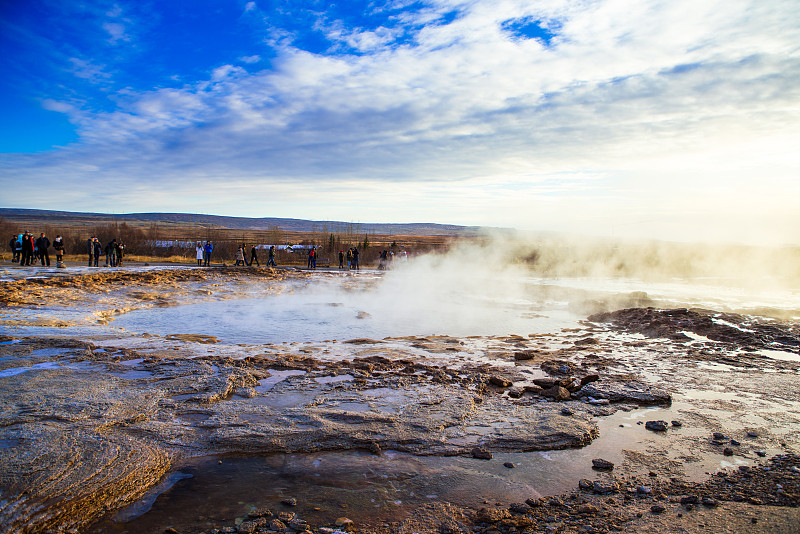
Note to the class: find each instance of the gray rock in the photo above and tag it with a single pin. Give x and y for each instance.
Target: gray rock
(630, 391)
(605, 465)
(656, 426)
(603, 487)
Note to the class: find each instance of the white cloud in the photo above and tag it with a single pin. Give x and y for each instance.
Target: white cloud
(634, 108)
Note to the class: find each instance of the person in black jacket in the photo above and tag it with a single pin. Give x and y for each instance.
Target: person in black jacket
(14, 249)
(42, 244)
(27, 249)
(98, 248)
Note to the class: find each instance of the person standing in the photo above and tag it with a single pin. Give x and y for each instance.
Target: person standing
(14, 250)
(240, 257)
(90, 249)
(120, 252)
(207, 252)
(97, 248)
(271, 259)
(341, 259)
(42, 244)
(111, 252)
(199, 249)
(58, 246)
(254, 257)
(355, 258)
(27, 249)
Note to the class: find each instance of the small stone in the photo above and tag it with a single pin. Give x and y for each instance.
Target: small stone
(690, 499)
(247, 527)
(728, 451)
(718, 436)
(499, 381)
(492, 515)
(170, 530)
(566, 411)
(605, 487)
(735, 443)
(644, 490)
(587, 509)
(677, 424)
(586, 484)
(291, 501)
(260, 512)
(277, 525)
(656, 426)
(481, 454)
(762, 454)
(603, 465)
(751, 434)
(558, 393)
(508, 465)
(344, 522)
(708, 501)
(374, 448)
(657, 509)
(287, 516)
(519, 508)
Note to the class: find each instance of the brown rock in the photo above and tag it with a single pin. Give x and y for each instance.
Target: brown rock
(481, 454)
(557, 392)
(499, 381)
(492, 515)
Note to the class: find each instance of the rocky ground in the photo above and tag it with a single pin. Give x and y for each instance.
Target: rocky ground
(89, 423)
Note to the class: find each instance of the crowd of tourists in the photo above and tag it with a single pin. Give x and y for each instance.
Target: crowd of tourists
(114, 252)
(30, 250)
(27, 250)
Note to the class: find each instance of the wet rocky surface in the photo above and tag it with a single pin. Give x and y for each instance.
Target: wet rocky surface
(91, 423)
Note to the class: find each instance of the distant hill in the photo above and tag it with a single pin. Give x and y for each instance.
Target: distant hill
(238, 223)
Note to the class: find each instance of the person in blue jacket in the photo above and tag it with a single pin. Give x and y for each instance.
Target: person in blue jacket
(207, 253)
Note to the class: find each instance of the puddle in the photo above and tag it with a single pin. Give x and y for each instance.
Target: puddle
(329, 485)
(266, 384)
(144, 504)
(333, 379)
(779, 355)
(13, 371)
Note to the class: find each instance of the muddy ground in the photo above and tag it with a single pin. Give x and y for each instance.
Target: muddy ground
(94, 419)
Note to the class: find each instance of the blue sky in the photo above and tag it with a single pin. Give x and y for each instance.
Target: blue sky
(670, 119)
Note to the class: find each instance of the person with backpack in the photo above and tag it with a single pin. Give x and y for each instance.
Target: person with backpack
(271, 259)
(58, 246)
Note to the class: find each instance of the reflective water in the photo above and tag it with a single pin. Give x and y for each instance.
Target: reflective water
(334, 484)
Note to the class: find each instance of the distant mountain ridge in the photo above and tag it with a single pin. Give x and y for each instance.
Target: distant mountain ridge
(243, 223)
